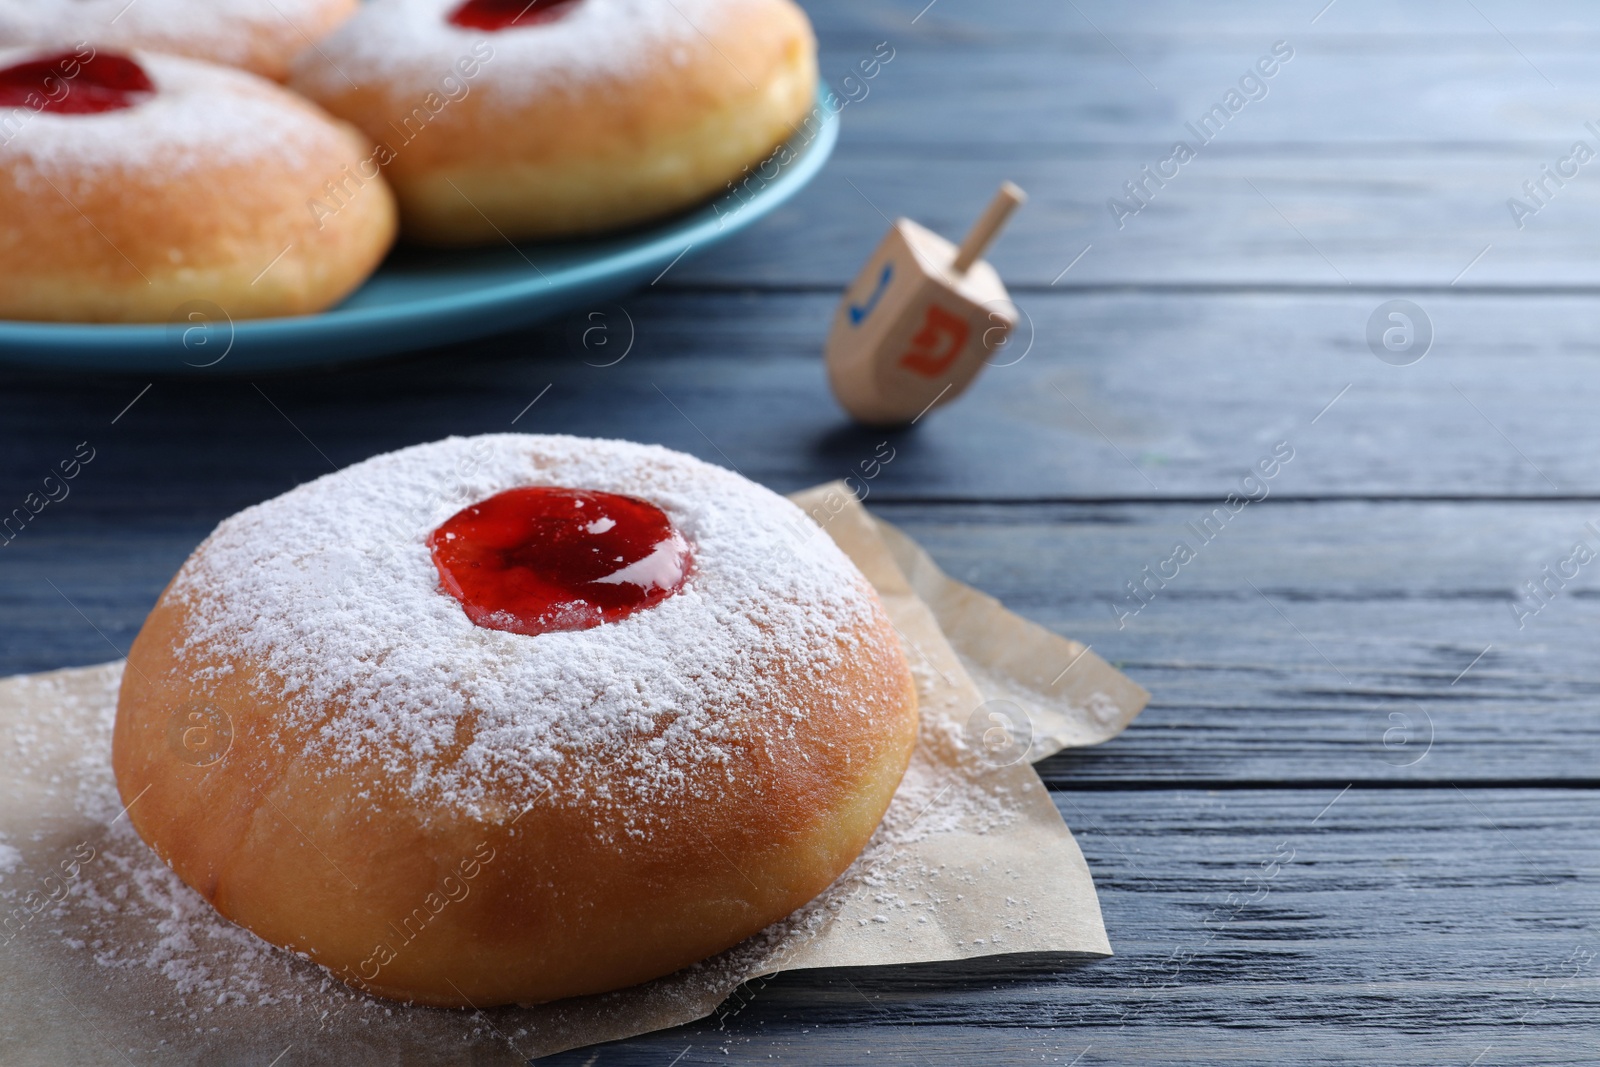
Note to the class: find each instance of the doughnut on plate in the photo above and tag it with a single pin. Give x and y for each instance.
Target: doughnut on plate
(419, 298)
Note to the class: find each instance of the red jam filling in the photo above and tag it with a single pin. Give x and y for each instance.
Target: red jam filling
(541, 559)
(69, 84)
(504, 14)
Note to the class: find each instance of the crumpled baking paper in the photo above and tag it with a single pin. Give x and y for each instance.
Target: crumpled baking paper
(106, 958)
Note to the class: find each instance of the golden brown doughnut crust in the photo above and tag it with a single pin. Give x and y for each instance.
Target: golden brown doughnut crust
(529, 910)
(583, 156)
(527, 898)
(135, 240)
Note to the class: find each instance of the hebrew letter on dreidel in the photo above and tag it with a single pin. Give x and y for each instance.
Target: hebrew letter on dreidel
(937, 344)
(858, 312)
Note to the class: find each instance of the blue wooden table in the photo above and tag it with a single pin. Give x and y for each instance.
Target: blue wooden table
(1358, 822)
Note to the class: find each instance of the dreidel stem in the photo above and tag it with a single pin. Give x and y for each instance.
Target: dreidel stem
(988, 227)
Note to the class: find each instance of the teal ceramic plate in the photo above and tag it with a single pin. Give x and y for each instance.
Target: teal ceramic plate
(422, 298)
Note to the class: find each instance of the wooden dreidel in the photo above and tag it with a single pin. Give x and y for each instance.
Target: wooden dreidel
(918, 324)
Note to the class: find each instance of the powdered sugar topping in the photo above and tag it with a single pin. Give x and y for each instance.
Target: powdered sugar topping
(227, 27)
(410, 44)
(331, 589)
(199, 116)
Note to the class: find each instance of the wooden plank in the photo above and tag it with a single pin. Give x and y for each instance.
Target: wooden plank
(1310, 642)
(1122, 396)
(1384, 152)
(1375, 21)
(1250, 927)
(1077, 90)
(1324, 216)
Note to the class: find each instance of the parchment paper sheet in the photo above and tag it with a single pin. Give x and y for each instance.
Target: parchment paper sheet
(106, 958)
(1072, 696)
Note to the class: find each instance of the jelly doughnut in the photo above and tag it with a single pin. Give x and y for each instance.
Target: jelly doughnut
(514, 718)
(136, 184)
(505, 119)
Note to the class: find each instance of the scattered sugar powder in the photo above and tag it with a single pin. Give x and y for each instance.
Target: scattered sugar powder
(125, 911)
(192, 979)
(197, 975)
(410, 46)
(199, 116)
(339, 570)
(330, 589)
(227, 30)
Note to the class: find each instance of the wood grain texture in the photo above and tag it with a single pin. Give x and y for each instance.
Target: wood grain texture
(1317, 642)
(1381, 926)
(1382, 154)
(1367, 216)
(1121, 396)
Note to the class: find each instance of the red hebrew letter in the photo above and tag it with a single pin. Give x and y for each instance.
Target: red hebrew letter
(937, 344)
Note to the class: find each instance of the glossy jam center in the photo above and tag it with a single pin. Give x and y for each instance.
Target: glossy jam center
(541, 559)
(504, 14)
(68, 84)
